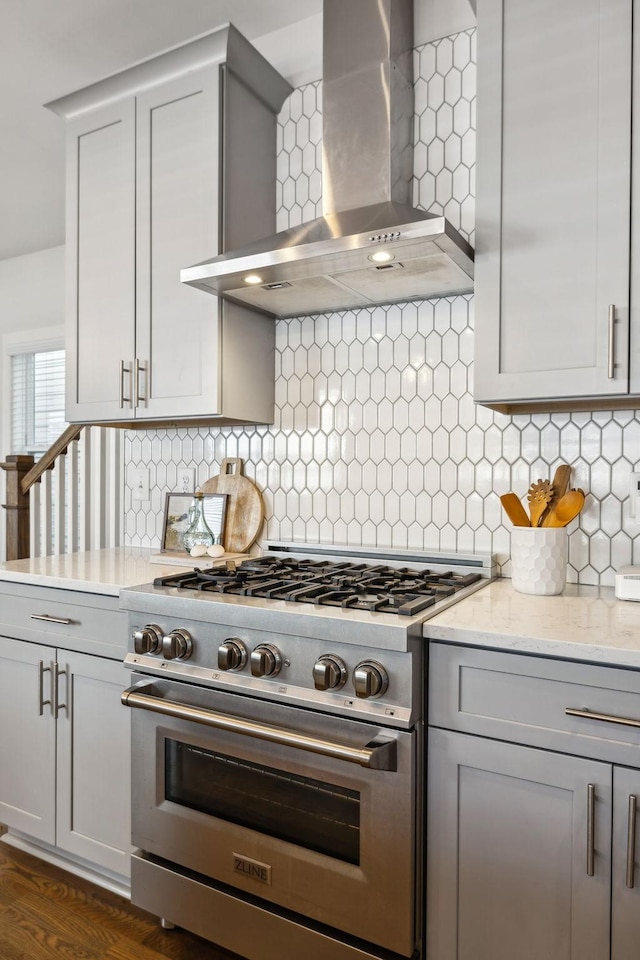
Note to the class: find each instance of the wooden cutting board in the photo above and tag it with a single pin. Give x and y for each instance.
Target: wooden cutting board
(245, 509)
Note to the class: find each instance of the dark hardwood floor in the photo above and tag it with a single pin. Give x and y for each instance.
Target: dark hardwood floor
(47, 913)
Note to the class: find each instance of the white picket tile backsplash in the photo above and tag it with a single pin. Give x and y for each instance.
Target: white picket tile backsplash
(376, 439)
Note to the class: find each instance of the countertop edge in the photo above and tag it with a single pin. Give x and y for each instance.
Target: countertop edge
(62, 583)
(584, 623)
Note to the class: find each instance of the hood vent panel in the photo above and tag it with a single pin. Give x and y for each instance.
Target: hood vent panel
(326, 265)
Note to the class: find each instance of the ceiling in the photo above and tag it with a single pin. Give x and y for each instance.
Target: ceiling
(48, 49)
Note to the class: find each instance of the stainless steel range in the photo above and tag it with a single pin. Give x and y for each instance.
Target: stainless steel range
(278, 747)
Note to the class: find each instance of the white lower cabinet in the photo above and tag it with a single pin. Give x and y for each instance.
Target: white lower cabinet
(625, 894)
(531, 831)
(507, 852)
(65, 752)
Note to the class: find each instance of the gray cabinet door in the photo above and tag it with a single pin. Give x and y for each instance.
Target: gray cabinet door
(101, 263)
(625, 900)
(507, 852)
(553, 199)
(178, 185)
(94, 762)
(28, 742)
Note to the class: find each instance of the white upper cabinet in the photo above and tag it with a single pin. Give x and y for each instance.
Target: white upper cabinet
(101, 262)
(169, 163)
(553, 201)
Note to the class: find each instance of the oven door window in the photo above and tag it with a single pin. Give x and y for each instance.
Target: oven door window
(311, 813)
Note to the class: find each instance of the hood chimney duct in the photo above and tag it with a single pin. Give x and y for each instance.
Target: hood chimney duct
(367, 94)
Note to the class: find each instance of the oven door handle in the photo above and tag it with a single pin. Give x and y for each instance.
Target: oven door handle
(379, 754)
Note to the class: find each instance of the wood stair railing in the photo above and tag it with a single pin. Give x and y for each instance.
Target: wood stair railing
(16, 467)
(48, 459)
(79, 509)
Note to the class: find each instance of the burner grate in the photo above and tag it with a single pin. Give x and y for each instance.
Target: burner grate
(354, 586)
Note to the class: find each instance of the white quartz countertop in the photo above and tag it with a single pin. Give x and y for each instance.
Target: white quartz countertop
(582, 623)
(95, 571)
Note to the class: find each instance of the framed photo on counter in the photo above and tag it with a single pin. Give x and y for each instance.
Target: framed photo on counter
(177, 517)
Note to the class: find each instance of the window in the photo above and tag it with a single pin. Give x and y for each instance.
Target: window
(37, 400)
(32, 395)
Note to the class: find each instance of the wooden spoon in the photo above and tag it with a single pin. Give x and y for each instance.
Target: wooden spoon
(538, 496)
(559, 486)
(514, 510)
(567, 508)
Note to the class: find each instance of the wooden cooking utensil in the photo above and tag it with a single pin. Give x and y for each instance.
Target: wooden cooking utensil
(514, 510)
(245, 509)
(559, 486)
(567, 508)
(538, 496)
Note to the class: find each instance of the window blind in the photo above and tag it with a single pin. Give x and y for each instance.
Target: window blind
(37, 400)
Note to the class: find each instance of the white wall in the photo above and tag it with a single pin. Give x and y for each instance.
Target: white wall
(434, 19)
(31, 305)
(32, 291)
(296, 50)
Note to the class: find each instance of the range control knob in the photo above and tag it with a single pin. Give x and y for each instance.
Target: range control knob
(147, 639)
(177, 645)
(232, 654)
(265, 661)
(329, 673)
(370, 679)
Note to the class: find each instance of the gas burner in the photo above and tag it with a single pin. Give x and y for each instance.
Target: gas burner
(402, 603)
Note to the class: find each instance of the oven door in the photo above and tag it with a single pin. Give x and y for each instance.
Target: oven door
(314, 813)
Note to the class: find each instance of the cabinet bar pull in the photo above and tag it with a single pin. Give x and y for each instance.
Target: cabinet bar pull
(57, 706)
(140, 394)
(124, 369)
(611, 343)
(631, 842)
(605, 717)
(591, 828)
(41, 672)
(45, 616)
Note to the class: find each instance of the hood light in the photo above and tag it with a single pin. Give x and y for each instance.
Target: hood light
(253, 279)
(381, 256)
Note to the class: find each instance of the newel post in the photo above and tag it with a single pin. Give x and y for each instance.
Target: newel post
(17, 506)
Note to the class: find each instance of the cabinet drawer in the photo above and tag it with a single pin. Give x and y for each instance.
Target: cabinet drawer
(85, 622)
(525, 699)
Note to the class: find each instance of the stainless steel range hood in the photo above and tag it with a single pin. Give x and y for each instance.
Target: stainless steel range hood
(371, 246)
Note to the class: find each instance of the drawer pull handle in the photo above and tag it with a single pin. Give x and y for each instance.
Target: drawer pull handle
(631, 842)
(605, 717)
(591, 828)
(66, 621)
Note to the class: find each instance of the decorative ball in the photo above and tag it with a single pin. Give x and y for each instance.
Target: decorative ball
(215, 550)
(198, 551)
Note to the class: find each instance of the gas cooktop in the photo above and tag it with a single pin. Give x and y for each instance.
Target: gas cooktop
(327, 582)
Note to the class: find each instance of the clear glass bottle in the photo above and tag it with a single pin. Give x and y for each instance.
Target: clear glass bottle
(198, 533)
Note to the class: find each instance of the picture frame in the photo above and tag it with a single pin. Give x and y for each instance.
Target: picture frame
(176, 519)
